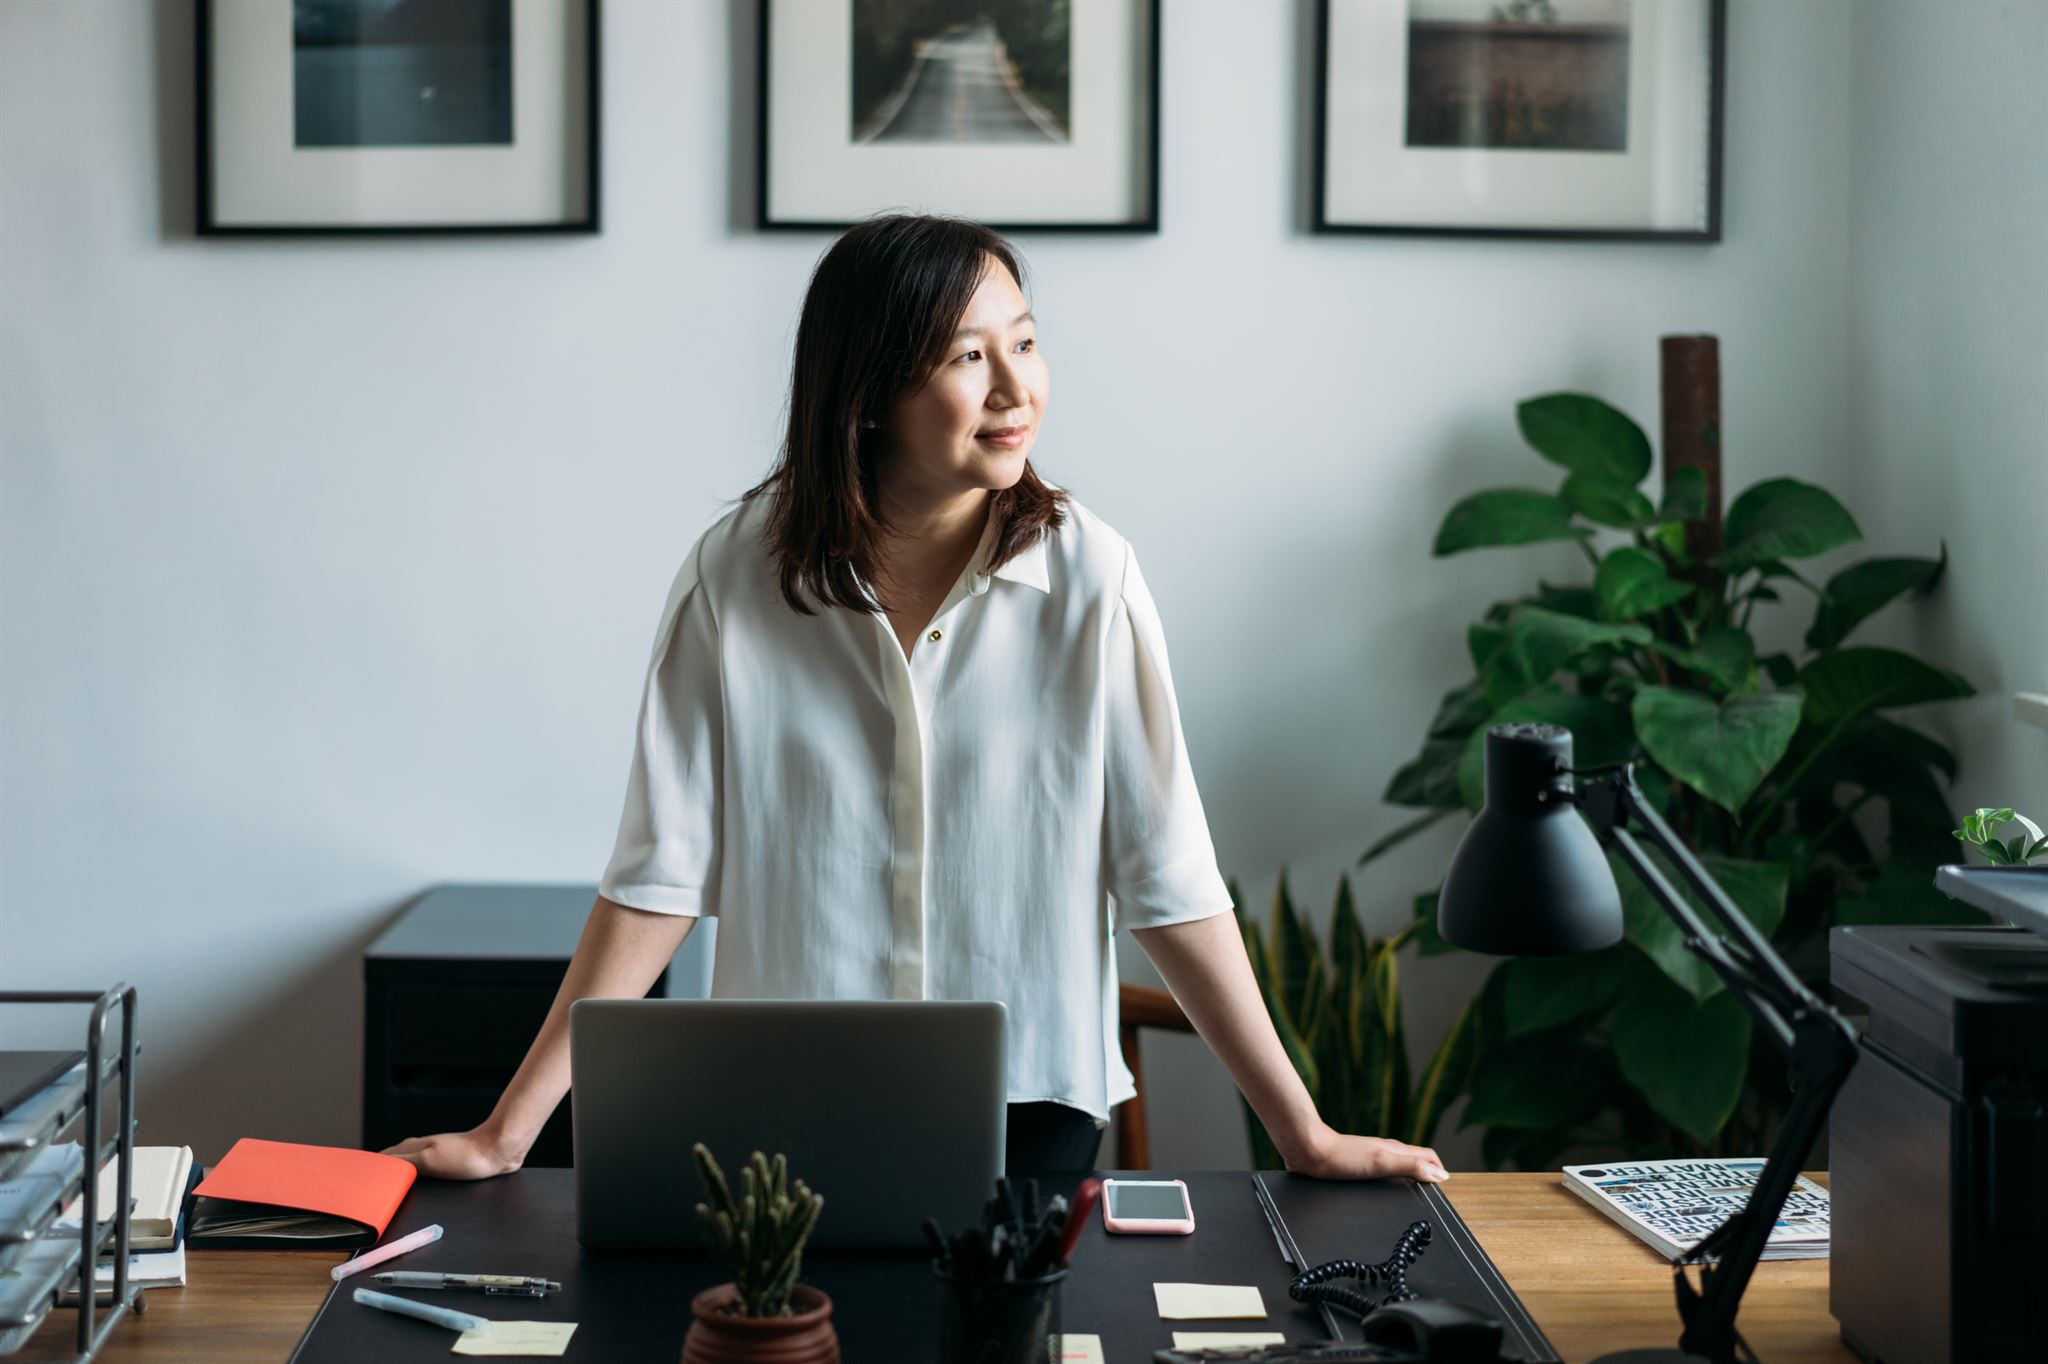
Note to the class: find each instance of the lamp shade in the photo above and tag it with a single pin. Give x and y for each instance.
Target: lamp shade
(1529, 878)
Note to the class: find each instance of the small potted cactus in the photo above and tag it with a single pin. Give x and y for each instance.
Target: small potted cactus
(759, 1237)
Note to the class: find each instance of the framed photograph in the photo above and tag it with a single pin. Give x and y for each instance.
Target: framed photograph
(327, 116)
(1589, 119)
(1022, 114)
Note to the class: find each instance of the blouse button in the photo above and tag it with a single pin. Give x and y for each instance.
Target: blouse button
(933, 636)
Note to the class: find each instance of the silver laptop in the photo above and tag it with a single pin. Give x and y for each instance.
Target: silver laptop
(892, 1111)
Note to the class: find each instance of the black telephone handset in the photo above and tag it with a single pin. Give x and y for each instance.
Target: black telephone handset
(1418, 1328)
(1435, 1330)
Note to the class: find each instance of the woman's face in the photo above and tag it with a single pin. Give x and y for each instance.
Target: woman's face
(973, 423)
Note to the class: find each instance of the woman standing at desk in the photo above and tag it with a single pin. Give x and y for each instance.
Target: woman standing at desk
(908, 724)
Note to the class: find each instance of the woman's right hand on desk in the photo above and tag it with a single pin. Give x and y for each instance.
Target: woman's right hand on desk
(475, 1154)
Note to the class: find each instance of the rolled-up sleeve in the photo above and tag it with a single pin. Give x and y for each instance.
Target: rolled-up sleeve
(1162, 864)
(667, 853)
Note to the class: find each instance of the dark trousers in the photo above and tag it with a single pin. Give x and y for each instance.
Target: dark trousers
(1048, 1138)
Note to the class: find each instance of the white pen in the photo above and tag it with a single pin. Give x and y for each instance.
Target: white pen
(425, 1236)
(406, 1307)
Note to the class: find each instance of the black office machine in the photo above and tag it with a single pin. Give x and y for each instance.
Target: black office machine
(453, 992)
(1939, 1147)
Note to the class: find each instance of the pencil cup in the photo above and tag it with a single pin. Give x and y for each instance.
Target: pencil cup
(998, 1321)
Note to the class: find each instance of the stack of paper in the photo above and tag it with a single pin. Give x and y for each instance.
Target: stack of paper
(156, 1195)
(161, 1179)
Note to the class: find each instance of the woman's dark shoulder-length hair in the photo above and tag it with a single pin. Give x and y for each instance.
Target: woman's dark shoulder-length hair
(877, 321)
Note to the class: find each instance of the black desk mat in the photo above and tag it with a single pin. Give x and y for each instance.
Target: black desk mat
(636, 1307)
(1361, 1222)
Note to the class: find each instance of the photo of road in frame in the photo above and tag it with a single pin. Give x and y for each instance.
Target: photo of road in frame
(973, 71)
(1530, 75)
(401, 73)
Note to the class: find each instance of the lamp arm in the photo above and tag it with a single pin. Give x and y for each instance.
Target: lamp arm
(1756, 951)
(1820, 1045)
(1763, 1001)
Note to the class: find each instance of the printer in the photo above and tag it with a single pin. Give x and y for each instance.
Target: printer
(1938, 1143)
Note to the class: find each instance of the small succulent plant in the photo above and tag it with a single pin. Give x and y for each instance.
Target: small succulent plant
(760, 1236)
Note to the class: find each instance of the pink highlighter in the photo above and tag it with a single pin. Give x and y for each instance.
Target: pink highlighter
(1147, 1207)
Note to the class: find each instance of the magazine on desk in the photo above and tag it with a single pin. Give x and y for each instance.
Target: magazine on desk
(1673, 1204)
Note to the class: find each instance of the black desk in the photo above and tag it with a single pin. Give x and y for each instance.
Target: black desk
(636, 1307)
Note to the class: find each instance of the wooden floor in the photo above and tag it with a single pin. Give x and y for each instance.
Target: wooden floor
(1591, 1287)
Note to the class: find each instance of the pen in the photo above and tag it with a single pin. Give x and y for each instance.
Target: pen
(517, 1285)
(1084, 1203)
(406, 1307)
(425, 1236)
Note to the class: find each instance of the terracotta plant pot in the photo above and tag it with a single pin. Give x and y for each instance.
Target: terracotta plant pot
(721, 1337)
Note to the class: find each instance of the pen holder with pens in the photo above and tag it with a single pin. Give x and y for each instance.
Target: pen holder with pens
(999, 1283)
(998, 1321)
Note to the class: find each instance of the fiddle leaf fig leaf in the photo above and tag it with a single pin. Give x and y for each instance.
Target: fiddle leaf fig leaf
(1844, 683)
(1608, 501)
(1585, 435)
(1462, 708)
(1429, 780)
(1535, 643)
(1535, 1085)
(1861, 590)
(1504, 516)
(1723, 656)
(1687, 1057)
(1721, 751)
(1633, 582)
(1782, 518)
(1543, 992)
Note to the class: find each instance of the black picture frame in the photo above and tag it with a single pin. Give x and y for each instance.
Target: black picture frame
(765, 219)
(1709, 232)
(207, 222)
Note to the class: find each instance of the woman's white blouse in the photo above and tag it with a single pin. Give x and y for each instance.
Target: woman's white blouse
(948, 826)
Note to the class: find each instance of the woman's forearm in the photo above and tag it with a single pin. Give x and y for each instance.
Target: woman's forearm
(1203, 963)
(618, 957)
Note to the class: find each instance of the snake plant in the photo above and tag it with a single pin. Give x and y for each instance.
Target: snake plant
(1338, 1013)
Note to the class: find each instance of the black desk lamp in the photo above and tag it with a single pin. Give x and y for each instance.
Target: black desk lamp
(1530, 878)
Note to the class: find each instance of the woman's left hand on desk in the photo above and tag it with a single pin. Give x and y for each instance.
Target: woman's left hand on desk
(1339, 1155)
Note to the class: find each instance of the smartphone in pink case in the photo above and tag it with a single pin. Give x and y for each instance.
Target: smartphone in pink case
(1147, 1207)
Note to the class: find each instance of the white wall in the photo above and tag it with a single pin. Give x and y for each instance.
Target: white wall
(327, 569)
(1948, 352)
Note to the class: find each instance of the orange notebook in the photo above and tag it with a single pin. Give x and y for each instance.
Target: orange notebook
(279, 1193)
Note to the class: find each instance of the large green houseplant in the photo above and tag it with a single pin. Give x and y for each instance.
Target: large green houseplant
(1785, 767)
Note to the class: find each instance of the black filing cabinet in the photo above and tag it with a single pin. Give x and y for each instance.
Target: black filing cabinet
(454, 992)
(1938, 1147)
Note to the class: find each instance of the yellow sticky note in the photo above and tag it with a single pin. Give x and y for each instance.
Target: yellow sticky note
(1073, 1349)
(1221, 1340)
(1208, 1301)
(544, 1339)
